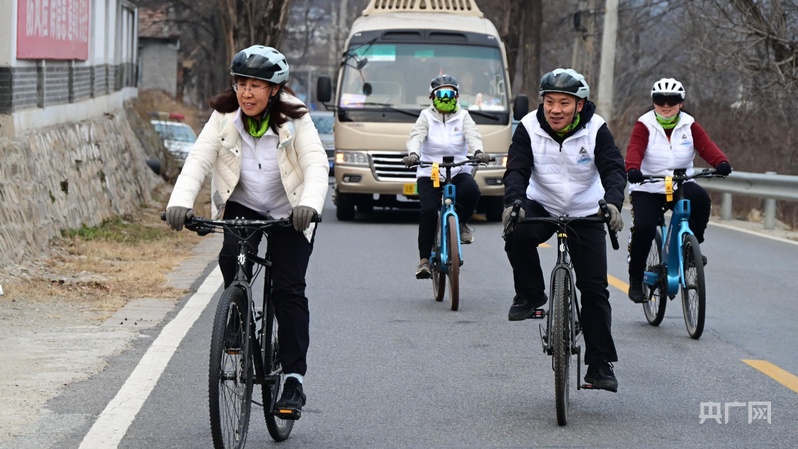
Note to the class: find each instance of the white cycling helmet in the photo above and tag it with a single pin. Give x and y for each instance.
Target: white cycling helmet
(261, 62)
(567, 81)
(667, 86)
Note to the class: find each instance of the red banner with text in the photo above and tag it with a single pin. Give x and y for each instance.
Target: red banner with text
(53, 29)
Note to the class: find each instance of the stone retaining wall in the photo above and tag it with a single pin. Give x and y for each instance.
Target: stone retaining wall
(66, 176)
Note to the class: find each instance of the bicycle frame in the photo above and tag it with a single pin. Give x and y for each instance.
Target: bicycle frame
(447, 209)
(673, 236)
(564, 263)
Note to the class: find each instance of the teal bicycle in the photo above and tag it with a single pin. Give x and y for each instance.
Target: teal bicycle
(674, 261)
(447, 257)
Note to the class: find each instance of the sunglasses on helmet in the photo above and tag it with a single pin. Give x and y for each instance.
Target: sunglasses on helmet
(445, 94)
(667, 100)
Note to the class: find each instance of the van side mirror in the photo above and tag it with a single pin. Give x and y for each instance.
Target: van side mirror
(324, 89)
(520, 106)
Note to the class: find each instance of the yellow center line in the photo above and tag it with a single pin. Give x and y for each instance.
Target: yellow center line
(781, 376)
(617, 283)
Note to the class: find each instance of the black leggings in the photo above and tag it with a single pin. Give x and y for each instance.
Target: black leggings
(467, 192)
(646, 212)
(290, 253)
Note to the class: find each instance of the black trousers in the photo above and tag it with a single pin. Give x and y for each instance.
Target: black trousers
(290, 253)
(647, 209)
(467, 192)
(588, 249)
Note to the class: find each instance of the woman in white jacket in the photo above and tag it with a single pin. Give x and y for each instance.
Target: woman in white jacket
(267, 160)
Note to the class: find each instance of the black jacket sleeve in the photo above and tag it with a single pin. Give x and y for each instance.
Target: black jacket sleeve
(519, 166)
(610, 165)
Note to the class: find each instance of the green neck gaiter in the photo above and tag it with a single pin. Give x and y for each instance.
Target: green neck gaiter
(571, 126)
(257, 128)
(667, 123)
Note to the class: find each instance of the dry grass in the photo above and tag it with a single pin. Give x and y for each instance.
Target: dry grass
(106, 266)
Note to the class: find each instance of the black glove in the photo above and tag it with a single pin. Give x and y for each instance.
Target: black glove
(482, 157)
(176, 217)
(506, 217)
(635, 176)
(724, 168)
(410, 160)
(302, 216)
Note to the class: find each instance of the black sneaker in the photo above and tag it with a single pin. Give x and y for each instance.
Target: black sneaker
(600, 376)
(636, 293)
(290, 404)
(524, 308)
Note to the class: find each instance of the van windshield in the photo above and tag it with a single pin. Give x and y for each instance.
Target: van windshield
(399, 75)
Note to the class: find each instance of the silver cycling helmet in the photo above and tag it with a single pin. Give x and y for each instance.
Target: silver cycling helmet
(567, 81)
(261, 62)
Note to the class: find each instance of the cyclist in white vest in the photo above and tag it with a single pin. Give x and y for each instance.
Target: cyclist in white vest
(663, 139)
(562, 161)
(443, 129)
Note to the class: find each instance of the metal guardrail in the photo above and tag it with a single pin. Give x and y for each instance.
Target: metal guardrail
(769, 185)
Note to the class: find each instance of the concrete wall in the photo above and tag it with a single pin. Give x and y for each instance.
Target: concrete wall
(66, 176)
(158, 60)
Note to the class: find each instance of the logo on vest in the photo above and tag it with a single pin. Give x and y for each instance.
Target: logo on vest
(584, 158)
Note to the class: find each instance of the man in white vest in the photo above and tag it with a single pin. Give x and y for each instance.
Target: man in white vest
(562, 161)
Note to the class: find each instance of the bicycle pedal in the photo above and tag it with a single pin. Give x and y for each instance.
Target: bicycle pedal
(288, 413)
(233, 351)
(538, 314)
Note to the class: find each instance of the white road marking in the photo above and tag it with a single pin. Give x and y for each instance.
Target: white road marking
(113, 422)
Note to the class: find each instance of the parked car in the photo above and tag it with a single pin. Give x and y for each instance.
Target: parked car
(324, 124)
(177, 138)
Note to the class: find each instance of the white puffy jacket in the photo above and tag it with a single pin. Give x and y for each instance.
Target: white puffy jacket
(304, 168)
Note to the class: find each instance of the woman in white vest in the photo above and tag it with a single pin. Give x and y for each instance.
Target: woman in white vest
(267, 160)
(663, 139)
(562, 161)
(443, 129)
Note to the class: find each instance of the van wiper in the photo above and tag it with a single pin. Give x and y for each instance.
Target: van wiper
(390, 107)
(484, 114)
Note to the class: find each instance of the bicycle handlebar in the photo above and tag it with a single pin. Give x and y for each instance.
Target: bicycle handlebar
(562, 220)
(205, 226)
(469, 161)
(679, 175)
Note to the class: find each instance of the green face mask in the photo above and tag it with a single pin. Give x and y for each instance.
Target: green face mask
(445, 104)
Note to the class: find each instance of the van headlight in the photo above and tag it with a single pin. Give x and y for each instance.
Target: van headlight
(351, 158)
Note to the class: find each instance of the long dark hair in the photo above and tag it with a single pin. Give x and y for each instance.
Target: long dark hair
(227, 101)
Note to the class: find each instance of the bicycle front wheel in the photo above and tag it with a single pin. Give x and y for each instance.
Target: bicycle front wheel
(230, 372)
(560, 340)
(654, 308)
(454, 262)
(694, 289)
(272, 387)
(438, 278)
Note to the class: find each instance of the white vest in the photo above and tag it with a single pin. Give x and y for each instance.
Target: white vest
(565, 180)
(663, 156)
(260, 187)
(444, 139)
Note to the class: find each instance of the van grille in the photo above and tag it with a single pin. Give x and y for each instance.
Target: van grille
(389, 167)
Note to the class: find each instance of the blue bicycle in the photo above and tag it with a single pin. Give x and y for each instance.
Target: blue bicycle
(446, 257)
(676, 263)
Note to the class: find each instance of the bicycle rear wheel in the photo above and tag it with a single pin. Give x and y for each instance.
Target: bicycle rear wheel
(230, 372)
(272, 387)
(454, 262)
(694, 288)
(654, 308)
(560, 341)
(438, 278)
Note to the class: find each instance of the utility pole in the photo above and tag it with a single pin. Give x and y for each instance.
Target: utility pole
(607, 68)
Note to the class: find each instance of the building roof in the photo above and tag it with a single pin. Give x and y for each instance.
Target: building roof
(156, 23)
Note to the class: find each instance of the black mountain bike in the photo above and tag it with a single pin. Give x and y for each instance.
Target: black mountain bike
(562, 331)
(244, 345)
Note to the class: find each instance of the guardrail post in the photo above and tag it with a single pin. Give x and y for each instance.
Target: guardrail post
(726, 207)
(770, 209)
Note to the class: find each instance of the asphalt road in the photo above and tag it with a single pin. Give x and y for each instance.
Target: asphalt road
(391, 368)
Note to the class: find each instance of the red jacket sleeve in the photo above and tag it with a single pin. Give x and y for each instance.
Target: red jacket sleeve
(706, 147)
(638, 142)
